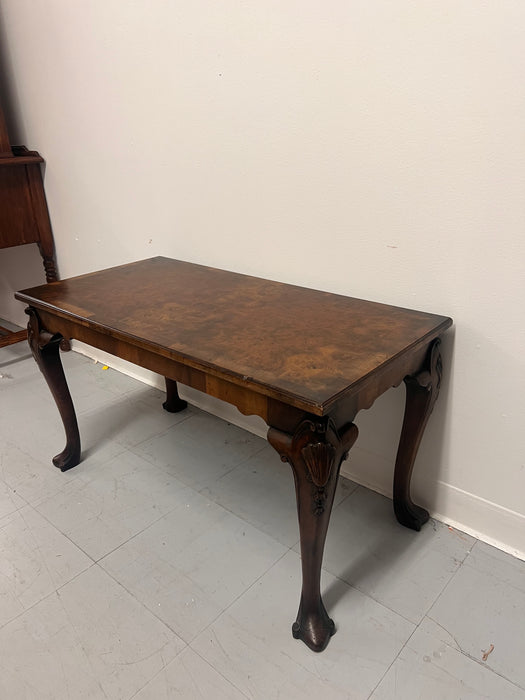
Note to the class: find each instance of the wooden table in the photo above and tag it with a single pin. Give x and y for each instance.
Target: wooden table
(305, 361)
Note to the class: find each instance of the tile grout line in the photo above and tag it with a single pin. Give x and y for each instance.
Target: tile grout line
(461, 564)
(217, 670)
(77, 639)
(393, 661)
(458, 647)
(78, 546)
(23, 612)
(226, 609)
(140, 454)
(383, 604)
(479, 662)
(144, 606)
(367, 595)
(246, 589)
(97, 562)
(55, 591)
(418, 625)
(189, 644)
(161, 432)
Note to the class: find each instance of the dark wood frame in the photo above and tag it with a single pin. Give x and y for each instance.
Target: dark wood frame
(313, 437)
(24, 217)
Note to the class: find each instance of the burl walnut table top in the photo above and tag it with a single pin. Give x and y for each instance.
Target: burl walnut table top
(299, 345)
(305, 361)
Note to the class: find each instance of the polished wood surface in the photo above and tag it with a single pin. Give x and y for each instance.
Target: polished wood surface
(284, 341)
(305, 361)
(24, 217)
(8, 337)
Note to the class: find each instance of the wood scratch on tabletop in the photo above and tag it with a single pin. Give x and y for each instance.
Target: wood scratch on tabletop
(486, 653)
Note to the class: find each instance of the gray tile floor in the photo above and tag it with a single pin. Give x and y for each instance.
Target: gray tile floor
(166, 565)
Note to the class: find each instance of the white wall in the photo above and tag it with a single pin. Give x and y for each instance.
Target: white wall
(368, 147)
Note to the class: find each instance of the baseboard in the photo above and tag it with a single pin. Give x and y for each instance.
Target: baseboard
(501, 527)
(485, 520)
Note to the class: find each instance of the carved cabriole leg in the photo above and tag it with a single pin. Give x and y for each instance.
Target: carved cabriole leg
(45, 349)
(421, 393)
(315, 452)
(173, 403)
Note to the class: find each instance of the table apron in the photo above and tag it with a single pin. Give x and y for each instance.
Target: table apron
(383, 379)
(246, 400)
(249, 402)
